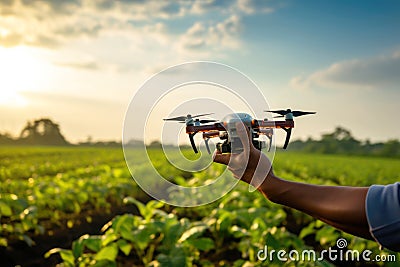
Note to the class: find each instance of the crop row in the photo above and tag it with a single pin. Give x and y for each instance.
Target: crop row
(56, 185)
(230, 231)
(50, 188)
(44, 187)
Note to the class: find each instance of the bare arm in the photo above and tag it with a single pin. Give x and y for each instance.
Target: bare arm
(340, 206)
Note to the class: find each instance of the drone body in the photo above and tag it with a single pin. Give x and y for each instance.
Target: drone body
(232, 143)
(226, 129)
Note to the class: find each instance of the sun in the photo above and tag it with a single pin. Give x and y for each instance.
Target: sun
(20, 71)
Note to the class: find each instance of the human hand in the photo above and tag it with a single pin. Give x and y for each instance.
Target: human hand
(251, 165)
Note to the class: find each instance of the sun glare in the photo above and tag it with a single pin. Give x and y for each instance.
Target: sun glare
(20, 71)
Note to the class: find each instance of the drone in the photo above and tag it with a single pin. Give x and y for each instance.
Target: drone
(226, 129)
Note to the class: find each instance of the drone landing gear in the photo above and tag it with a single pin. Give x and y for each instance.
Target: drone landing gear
(191, 135)
(288, 133)
(207, 146)
(270, 142)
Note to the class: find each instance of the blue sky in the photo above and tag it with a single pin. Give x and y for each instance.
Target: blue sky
(80, 62)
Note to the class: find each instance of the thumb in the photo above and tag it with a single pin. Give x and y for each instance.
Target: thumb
(221, 158)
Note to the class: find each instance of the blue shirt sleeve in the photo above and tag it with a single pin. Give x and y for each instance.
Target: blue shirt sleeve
(382, 206)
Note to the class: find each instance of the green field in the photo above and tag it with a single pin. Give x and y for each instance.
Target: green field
(80, 206)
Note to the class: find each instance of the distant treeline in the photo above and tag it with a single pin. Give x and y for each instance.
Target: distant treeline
(45, 132)
(39, 132)
(340, 141)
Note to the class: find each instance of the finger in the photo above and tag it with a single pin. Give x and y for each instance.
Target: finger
(244, 135)
(218, 157)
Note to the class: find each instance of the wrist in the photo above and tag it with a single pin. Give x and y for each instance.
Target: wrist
(272, 188)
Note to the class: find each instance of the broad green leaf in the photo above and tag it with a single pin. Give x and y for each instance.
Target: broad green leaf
(125, 221)
(147, 211)
(108, 238)
(307, 231)
(172, 233)
(127, 233)
(224, 221)
(82, 197)
(154, 204)
(77, 248)
(51, 252)
(107, 253)
(193, 232)
(175, 257)
(258, 225)
(124, 246)
(203, 243)
(143, 235)
(66, 255)
(104, 263)
(327, 235)
(272, 242)
(5, 210)
(238, 232)
(93, 243)
(140, 205)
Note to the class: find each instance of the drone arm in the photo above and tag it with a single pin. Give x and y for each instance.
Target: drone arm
(276, 124)
(205, 128)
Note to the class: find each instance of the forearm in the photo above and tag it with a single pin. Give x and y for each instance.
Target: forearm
(340, 206)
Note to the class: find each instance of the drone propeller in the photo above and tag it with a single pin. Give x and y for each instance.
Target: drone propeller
(184, 118)
(296, 113)
(201, 121)
(190, 119)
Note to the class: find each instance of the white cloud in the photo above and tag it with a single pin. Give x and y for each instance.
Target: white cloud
(254, 6)
(204, 6)
(220, 36)
(137, 32)
(85, 65)
(245, 7)
(379, 72)
(50, 23)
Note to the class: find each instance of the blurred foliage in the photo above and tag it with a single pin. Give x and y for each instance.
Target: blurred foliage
(43, 187)
(341, 141)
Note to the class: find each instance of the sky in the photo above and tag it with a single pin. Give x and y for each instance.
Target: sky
(80, 62)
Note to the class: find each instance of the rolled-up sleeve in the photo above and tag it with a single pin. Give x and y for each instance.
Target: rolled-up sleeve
(382, 206)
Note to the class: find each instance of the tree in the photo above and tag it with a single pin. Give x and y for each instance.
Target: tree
(42, 132)
(6, 139)
(339, 141)
(391, 149)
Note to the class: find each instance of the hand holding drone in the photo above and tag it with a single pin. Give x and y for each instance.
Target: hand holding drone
(226, 129)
